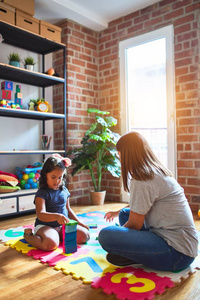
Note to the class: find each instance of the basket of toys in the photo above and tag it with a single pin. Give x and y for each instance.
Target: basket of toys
(29, 176)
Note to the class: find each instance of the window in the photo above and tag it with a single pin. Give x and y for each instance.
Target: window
(147, 91)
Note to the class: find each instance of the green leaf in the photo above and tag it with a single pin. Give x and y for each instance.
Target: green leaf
(97, 111)
(110, 121)
(101, 121)
(92, 128)
(95, 137)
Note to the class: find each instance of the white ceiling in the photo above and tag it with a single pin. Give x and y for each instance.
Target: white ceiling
(94, 14)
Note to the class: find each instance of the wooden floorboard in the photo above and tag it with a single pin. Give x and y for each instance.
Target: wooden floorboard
(22, 277)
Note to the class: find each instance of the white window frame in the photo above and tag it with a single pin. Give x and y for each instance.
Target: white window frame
(168, 33)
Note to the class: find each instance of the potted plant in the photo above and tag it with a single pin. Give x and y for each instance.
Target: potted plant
(98, 153)
(14, 59)
(29, 63)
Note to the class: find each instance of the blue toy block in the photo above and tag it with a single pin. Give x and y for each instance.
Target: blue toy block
(70, 237)
(7, 85)
(92, 226)
(18, 101)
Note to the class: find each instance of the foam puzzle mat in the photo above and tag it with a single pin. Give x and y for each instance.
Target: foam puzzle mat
(89, 264)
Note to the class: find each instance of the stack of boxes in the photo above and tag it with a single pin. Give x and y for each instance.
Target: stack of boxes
(21, 12)
(6, 94)
(18, 96)
(70, 237)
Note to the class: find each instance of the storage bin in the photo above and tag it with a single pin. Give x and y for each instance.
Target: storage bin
(7, 13)
(50, 31)
(27, 22)
(27, 6)
(29, 177)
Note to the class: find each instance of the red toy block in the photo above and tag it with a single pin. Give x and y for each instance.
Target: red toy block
(6, 94)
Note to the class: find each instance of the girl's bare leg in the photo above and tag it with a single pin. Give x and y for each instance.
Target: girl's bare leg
(46, 238)
(83, 235)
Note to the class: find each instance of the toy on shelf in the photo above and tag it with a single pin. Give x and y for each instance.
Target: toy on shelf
(70, 237)
(28, 177)
(6, 94)
(199, 213)
(52, 72)
(39, 105)
(42, 105)
(18, 96)
(8, 183)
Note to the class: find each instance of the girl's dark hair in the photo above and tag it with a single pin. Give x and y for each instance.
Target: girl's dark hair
(137, 159)
(49, 165)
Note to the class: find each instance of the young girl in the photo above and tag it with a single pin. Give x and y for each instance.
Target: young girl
(157, 229)
(53, 208)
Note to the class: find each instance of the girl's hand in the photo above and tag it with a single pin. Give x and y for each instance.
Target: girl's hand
(83, 225)
(61, 219)
(109, 216)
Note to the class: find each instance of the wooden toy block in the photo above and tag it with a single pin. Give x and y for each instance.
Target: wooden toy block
(70, 237)
(7, 85)
(18, 101)
(18, 88)
(6, 94)
(18, 95)
(92, 226)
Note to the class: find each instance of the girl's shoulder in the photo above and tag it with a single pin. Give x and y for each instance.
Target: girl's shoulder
(42, 193)
(65, 190)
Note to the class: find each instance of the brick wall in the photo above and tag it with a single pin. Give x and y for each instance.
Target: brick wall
(82, 93)
(93, 80)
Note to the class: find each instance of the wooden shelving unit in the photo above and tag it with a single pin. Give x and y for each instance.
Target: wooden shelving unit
(24, 39)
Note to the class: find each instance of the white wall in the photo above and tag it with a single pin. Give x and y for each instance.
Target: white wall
(21, 133)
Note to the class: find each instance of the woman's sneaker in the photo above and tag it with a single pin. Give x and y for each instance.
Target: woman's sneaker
(118, 260)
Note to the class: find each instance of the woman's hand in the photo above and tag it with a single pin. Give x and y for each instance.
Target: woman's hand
(109, 216)
(61, 219)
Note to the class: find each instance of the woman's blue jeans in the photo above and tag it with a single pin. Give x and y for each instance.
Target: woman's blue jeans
(142, 246)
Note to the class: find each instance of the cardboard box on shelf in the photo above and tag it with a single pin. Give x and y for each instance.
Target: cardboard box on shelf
(50, 31)
(27, 22)
(27, 6)
(7, 13)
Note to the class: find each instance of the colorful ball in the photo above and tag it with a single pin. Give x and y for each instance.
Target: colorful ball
(27, 186)
(37, 175)
(20, 175)
(34, 185)
(25, 176)
(30, 181)
(31, 175)
(22, 182)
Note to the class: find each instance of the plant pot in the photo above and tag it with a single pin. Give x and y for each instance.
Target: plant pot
(14, 63)
(29, 67)
(97, 198)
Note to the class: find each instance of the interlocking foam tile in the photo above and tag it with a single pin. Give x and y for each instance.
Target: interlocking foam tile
(54, 257)
(13, 233)
(177, 276)
(86, 267)
(90, 265)
(132, 283)
(20, 245)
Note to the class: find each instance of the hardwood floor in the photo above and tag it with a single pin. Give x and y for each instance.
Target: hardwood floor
(22, 277)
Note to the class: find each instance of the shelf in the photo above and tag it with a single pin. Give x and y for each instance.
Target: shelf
(18, 37)
(29, 114)
(24, 152)
(25, 39)
(21, 75)
(18, 193)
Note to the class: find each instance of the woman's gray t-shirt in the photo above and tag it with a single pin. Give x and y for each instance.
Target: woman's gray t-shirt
(167, 212)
